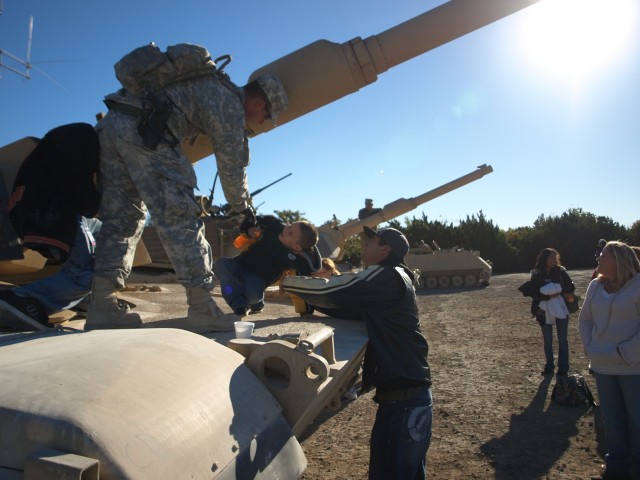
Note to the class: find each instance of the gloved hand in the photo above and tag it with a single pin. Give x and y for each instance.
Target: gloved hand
(249, 220)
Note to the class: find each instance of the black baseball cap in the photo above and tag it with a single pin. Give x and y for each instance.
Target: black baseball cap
(394, 238)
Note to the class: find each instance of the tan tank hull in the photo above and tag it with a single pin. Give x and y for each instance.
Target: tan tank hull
(448, 268)
(140, 404)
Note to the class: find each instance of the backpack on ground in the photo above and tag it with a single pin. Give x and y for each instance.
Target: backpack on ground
(572, 391)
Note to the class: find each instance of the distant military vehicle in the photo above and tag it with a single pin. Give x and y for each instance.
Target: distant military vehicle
(445, 268)
(332, 237)
(167, 404)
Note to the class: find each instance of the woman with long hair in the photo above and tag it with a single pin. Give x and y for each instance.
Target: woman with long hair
(552, 281)
(609, 325)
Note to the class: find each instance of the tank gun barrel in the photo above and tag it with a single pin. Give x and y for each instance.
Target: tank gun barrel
(323, 71)
(331, 239)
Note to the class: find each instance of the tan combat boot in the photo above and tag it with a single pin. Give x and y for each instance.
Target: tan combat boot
(204, 315)
(105, 311)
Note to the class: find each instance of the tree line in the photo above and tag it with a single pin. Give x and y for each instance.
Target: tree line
(575, 234)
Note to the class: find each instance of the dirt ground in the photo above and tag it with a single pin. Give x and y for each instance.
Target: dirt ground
(493, 415)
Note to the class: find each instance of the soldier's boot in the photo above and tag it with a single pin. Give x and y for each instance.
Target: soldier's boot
(204, 315)
(105, 311)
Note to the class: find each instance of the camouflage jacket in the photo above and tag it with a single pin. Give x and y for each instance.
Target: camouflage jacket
(208, 106)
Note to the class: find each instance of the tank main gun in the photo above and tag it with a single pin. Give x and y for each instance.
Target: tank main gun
(323, 71)
(331, 238)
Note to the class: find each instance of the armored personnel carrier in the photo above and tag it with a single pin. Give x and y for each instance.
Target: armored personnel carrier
(165, 403)
(448, 268)
(332, 237)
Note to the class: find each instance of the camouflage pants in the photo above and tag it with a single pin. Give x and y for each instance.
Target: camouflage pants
(133, 179)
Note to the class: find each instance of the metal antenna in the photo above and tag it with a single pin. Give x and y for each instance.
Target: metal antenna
(29, 40)
(26, 63)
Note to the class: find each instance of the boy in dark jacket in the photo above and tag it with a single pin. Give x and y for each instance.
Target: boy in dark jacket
(395, 361)
(278, 248)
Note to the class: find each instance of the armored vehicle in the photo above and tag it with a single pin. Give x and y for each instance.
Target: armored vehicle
(165, 403)
(445, 268)
(332, 237)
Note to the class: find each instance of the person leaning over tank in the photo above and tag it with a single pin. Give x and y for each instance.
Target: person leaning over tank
(395, 361)
(609, 326)
(277, 248)
(134, 178)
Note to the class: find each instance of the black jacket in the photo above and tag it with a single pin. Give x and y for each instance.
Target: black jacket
(531, 288)
(54, 185)
(383, 296)
(269, 258)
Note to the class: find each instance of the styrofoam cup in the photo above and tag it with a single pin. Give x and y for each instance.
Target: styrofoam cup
(244, 329)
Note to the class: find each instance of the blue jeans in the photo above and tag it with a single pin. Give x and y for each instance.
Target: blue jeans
(620, 407)
(562, 327)
(240, 286)
(400, 439)
(69, 285)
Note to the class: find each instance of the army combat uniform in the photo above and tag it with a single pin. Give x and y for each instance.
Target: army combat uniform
(134, 178)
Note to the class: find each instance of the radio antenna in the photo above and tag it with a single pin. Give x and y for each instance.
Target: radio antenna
(25, 63)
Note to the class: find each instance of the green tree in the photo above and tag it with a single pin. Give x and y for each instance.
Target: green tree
(416, 229)
(574, 234)
(478, 233)
(633, 234)
(289, 216)
(353, 250)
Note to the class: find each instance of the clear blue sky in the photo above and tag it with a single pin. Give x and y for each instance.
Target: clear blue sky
(548, 96)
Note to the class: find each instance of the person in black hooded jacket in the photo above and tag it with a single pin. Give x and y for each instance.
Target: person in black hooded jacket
(52, 204)
(395, 362)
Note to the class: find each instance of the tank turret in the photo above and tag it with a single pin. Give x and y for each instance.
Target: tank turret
(332, 237)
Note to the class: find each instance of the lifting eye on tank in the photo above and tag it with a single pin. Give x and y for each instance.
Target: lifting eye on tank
(312, 372)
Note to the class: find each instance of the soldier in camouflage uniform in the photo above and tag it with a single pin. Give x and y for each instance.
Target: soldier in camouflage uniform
(134, 178)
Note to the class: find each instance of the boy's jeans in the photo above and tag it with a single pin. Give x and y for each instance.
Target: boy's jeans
(67, 287)
(240, 286)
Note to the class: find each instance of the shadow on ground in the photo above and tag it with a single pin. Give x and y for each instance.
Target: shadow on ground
(540, 438)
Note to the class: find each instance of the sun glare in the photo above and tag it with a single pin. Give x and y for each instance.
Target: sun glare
(572, 39)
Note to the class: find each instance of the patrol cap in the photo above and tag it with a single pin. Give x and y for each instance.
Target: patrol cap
(394, 238)
(368, 200)
(275, 92)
